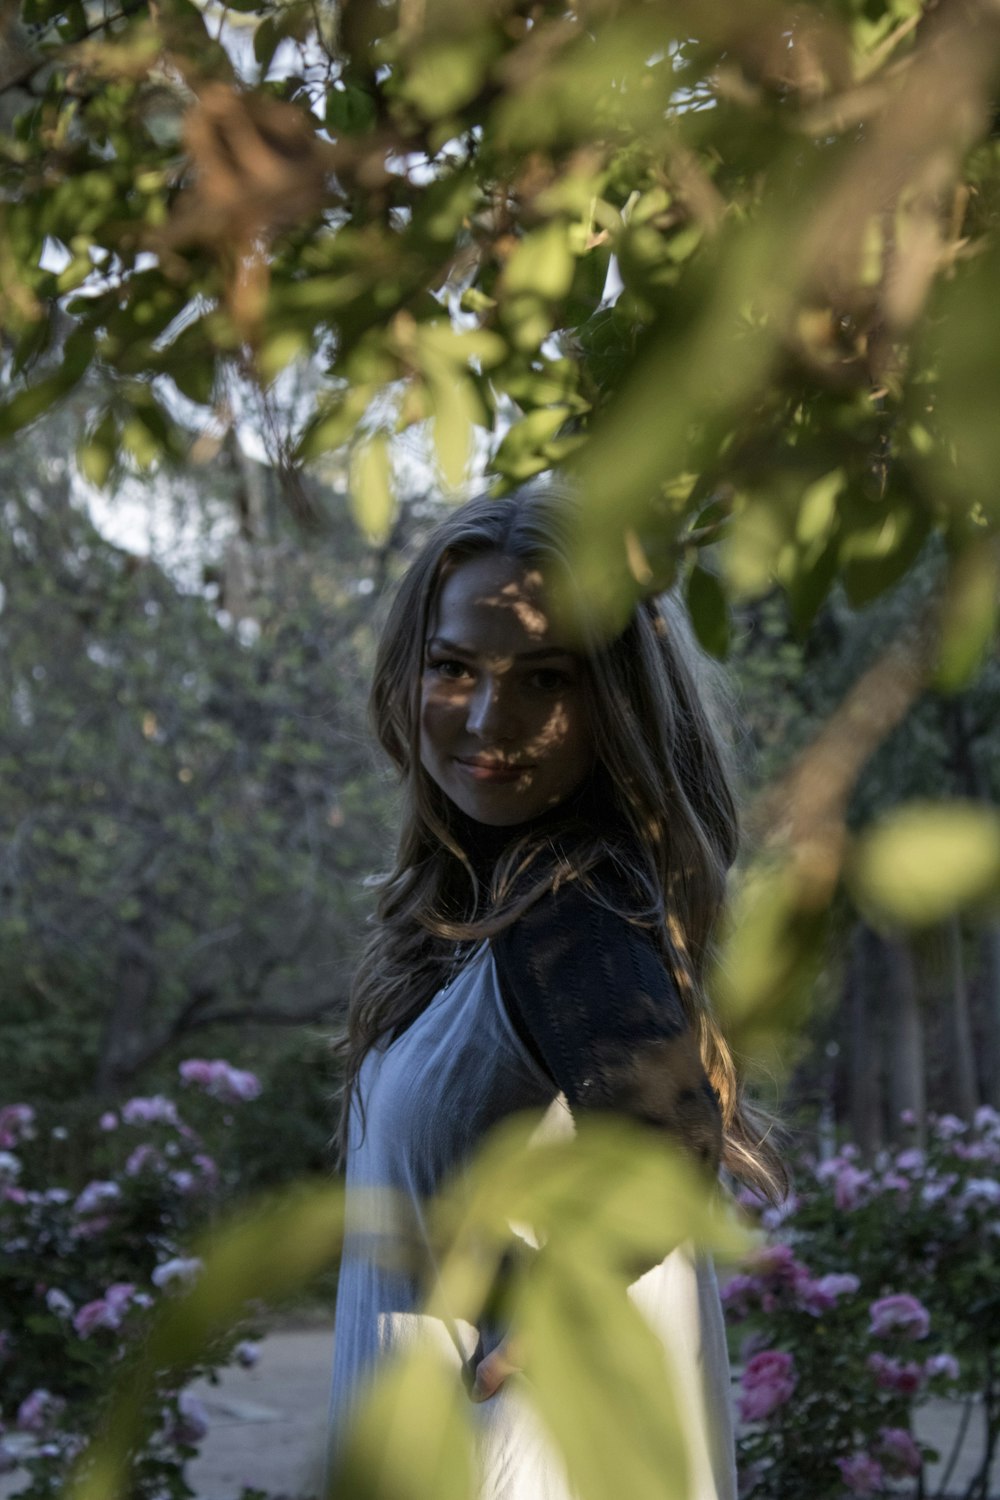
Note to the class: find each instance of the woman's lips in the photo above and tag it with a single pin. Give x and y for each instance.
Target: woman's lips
(489, 771)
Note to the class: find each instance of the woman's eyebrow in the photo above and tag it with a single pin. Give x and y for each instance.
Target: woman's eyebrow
(440, 643)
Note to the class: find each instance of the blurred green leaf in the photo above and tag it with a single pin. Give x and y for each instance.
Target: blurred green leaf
(925, 861)
(968, 617)
(709, 611)
(372, 500)
(412, 1438)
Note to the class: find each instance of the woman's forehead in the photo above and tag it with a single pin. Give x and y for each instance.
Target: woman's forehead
(495, 603)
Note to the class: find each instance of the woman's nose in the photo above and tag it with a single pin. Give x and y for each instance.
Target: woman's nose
(489, 715)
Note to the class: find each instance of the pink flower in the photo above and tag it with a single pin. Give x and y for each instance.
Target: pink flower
(96, 1195)
(774, 1260)
(738, 1294)
(58, 1303)
(900, 1314)
(93, 1315)
(119, 1294)
(911, 1160)
(191, 1423)
(220, 1079)
(862, 1474)
(947, 1127)
(898, 1451)
(157, 1109)
(16, 1125)
(768, 1381)
(895, 1375)
(820, 1296)
(942, 1367)
(179, 1271)
(849, 1185)
(143, 1158)
(37, 1411)
(109, 1120)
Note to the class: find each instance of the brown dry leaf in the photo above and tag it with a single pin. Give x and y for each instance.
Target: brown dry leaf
(258, 166)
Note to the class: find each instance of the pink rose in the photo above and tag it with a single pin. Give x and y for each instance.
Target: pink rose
(191, 1423)
(900, 1314)
(895, 1375)
(37, 1411)
(768, 1381)
(738, 1294)
(94, 1315)
(820, 1296)
(941, 1367)
(849, 1186)
(862, 1474)
(220, 1079)
(156, 1109)
(17, 1123)
(898, 1451)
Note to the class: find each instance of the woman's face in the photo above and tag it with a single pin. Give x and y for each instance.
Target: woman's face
(504, 726)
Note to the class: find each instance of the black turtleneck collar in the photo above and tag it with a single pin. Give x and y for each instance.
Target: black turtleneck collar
(590, 806)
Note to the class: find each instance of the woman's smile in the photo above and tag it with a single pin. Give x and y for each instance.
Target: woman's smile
(505, 725)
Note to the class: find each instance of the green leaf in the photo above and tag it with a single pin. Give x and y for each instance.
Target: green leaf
(372, 501)
(265, 42)
(542, 264)
(968, 618)
(709, 611)
(445, 75)
(926, 860)
(526, 448)
(412, 1437)
(96, 454)
(29, 404)
(456, 411)
(349, 110)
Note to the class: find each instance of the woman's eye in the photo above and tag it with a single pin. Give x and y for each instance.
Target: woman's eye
(451, 670)
(550, 679)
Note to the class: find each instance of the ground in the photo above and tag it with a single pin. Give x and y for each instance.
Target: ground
(267, 1426)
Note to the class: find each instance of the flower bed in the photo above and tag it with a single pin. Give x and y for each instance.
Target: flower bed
(872, 1289)
(83, 1270)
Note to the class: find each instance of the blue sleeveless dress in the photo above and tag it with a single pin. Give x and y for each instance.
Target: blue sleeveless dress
(430, 1098)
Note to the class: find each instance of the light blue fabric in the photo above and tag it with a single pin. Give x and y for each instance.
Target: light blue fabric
(430, 1098)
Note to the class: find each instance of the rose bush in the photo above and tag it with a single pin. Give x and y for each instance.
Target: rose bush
(84, 1267)
(872, 1288)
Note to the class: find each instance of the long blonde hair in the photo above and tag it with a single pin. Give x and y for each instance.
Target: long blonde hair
(665, 771)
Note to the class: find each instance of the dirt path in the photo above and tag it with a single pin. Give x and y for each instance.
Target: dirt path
(268, 1424)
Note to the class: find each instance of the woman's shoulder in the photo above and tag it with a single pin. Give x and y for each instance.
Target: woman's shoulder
(592, 941)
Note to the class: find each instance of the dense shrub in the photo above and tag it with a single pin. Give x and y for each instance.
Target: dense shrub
(83, 1269)
(873, 1288)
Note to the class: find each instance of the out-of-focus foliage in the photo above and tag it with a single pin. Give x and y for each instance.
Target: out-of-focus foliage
(433, 205)
(188, 799)
(600, 1203)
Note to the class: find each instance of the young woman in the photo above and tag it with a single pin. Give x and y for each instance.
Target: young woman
(541, 940)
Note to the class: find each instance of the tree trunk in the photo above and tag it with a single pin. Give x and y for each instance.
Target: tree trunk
(863, 1040)
(964, 1089)
(990, 957)
(905, 1035)
(123, 1026)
